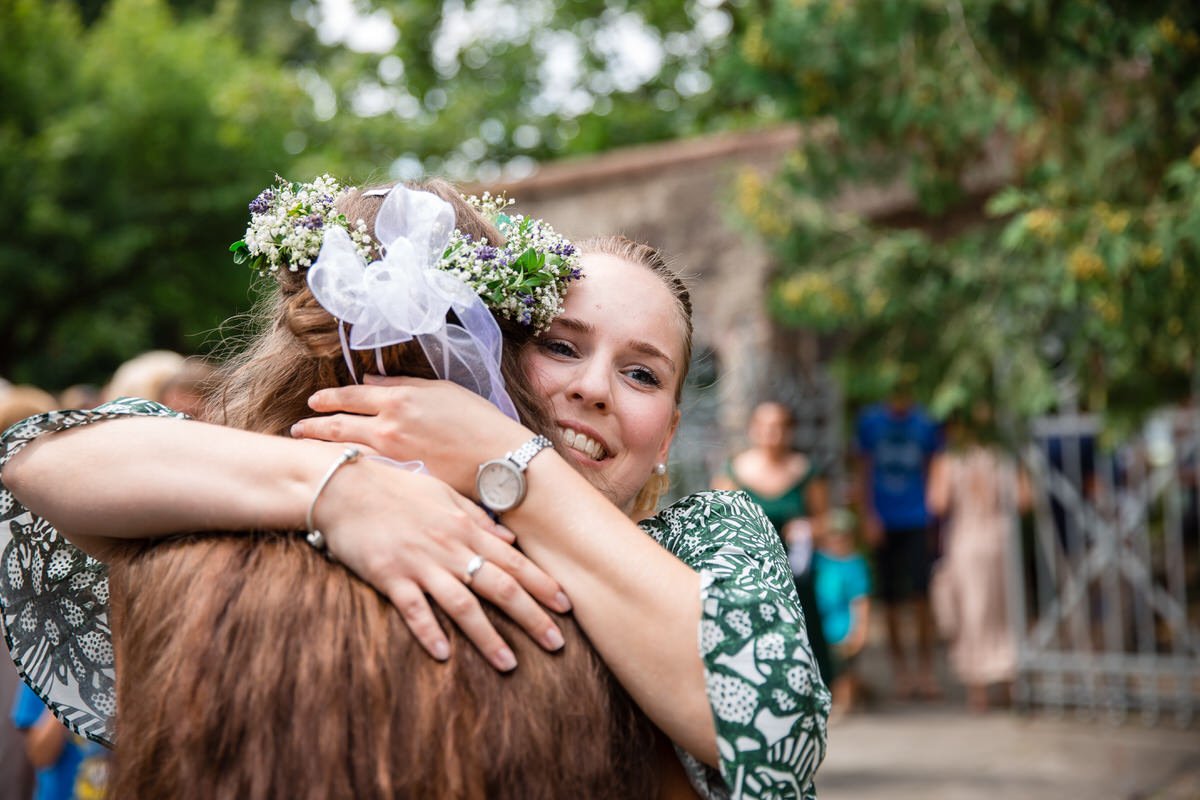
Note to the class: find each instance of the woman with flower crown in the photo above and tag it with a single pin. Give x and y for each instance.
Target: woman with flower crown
(745, 709)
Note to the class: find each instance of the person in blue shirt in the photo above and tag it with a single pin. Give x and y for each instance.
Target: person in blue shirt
(51, 748)
(896, 441)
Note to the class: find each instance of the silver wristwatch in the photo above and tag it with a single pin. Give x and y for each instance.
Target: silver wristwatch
(501, 481)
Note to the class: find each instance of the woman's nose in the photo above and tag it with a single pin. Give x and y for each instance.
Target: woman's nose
(590, 385)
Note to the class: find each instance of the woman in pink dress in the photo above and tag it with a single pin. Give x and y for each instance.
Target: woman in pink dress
(975, 489)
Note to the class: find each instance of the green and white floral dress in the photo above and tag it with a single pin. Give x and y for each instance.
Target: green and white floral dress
(768, 703)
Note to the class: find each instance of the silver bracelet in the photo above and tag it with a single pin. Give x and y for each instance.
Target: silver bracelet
(314, 536)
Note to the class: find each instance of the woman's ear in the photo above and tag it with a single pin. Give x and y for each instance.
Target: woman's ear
(665, 449)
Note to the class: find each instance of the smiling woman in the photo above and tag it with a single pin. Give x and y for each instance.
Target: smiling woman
(610, 367)
(746, 709)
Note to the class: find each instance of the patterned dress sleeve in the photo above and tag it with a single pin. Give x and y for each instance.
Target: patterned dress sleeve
(54, 597)
(768, 702)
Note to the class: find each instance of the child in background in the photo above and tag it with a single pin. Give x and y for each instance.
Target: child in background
(68, 767)
(843, 589)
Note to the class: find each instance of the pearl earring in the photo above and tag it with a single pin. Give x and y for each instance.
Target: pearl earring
(660, 469)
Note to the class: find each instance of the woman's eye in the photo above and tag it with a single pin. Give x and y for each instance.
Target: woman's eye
(557, 347)
(644, 377)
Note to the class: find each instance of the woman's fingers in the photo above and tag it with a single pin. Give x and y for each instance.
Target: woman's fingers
(353, 399)
(348, 428)
(463, 607)
(528, 575)
(410, 601)
(503, 590)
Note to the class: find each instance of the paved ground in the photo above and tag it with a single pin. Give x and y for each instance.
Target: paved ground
(901, 750)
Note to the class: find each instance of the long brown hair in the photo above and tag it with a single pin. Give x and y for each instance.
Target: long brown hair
(248, 666)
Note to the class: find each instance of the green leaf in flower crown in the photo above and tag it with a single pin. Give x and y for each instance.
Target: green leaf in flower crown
(528, 262)
(241, 252)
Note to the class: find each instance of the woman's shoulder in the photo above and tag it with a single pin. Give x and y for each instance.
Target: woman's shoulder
(713, 514)
(713, 501)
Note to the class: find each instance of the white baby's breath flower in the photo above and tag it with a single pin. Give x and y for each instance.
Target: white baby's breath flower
(523, 280)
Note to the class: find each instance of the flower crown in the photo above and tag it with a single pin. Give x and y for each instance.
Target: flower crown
(524, 280)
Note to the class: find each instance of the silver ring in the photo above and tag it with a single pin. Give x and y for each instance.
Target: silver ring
(474, 565)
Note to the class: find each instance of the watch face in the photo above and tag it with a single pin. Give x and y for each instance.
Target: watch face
(500, 485)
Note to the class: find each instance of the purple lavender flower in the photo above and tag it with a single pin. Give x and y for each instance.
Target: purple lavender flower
(575, 275)
(486, 252)
(313, 221)
(526, 316)
(262, 203)
(527, 299)
(563, 249)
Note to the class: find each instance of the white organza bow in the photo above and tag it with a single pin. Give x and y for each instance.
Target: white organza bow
(405, 296)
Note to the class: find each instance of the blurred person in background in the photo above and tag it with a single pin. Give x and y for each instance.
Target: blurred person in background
(789, 488)
(79, 395)
(976, 490)
(187, 389)
(843, 586)
(895, 442)
(68, 767)
(143, 376)
(20, 401)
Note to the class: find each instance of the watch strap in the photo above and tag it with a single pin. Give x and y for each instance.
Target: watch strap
(525, 453)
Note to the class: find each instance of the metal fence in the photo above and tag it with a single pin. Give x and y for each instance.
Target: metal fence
(1105, 596)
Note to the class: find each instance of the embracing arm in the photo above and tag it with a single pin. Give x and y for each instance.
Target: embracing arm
(638, 603)
(141, 476)
(144, 477)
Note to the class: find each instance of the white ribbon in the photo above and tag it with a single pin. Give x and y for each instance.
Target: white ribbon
(405, 296)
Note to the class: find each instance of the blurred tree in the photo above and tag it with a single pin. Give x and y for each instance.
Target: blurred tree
(130, 148)
(483, 89)
(134, 132)
(1079, 266)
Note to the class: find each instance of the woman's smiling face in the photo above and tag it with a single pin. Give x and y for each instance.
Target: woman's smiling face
(609, 367)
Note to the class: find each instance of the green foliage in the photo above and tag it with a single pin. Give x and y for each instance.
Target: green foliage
(1084, 263)
(132, 147)
(136, 131)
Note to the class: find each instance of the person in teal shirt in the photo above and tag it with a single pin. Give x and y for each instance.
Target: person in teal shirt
(843, 591)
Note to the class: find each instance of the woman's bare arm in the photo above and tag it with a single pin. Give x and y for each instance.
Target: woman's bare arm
(146, 477)
(141, 478)
(937, 495)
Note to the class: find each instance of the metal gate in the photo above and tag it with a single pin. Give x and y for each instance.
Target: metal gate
(1105, 598)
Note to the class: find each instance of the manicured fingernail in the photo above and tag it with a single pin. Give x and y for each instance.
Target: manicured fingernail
(563, 602)
(505, 659)
(297, 430)
(313, 399)
(553, 639)
(441, 650)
